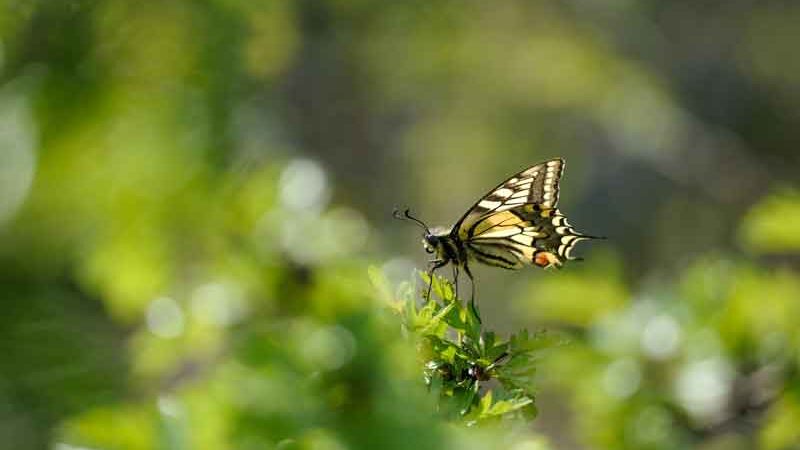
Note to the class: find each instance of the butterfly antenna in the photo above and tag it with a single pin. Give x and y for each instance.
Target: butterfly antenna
(406, 215)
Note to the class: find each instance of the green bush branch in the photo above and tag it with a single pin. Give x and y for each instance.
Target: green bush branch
(476, 376)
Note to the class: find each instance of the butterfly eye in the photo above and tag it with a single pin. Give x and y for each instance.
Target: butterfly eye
(428, 249)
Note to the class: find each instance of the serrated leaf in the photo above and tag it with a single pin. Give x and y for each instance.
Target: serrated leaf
(497, 352)
(518, 374)
(448, 354)
(523, 342)
(506, 406)
(455, 319)
(473, 324)
(485, 342)
(468, 399)
(485, 403)
(436, 320)
(439, 286)
(457, 350)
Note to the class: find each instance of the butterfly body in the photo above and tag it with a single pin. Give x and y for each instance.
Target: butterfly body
(445, 247)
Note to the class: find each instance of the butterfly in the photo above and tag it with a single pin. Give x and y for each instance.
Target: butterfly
(515, 224)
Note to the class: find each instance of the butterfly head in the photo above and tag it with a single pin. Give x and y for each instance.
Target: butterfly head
(431, 240)
(434, 240)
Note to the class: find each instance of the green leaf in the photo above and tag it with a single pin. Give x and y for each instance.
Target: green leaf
(506, 406)
(485, 403)
(458, 355)
(436, 320)
(443, 289)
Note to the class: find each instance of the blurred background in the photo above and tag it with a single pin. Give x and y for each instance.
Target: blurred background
(191, 193)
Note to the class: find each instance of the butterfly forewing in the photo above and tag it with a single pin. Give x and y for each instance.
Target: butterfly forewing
(537, 185)
(518, 220)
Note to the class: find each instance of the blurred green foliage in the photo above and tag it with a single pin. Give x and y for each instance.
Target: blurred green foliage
(192, 194)
(767, 227)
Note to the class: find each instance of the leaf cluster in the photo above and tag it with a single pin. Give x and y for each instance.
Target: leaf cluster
(476, 375)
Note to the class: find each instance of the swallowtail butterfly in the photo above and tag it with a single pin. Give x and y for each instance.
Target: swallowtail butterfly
(515, 224)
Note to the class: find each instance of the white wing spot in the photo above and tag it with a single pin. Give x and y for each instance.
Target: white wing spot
(488, 204)
(566, 249)
(503, 192)
(522, 239)
(567, 239)
(533, 233)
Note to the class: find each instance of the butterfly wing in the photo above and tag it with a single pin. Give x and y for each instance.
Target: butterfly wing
(518, 223)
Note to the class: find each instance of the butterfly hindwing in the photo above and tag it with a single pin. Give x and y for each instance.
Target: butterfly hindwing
(561, 236)
(502, 239)
(517, 237)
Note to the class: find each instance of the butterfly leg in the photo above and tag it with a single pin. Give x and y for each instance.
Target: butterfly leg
(472, 304)
(435, 264)
(455, 279)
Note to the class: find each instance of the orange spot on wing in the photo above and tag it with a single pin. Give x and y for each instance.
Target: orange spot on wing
(546, 259)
